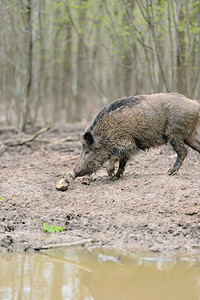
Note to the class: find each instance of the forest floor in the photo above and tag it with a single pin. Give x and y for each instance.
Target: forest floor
(145, 210)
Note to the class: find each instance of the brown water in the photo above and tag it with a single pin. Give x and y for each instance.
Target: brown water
(79, 274)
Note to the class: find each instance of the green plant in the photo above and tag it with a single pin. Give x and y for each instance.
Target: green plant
(52, 229)
(2, 200)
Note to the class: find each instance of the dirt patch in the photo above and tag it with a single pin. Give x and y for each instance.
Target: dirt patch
(144, 210)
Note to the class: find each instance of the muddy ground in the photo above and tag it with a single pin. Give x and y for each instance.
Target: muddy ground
(145, 210)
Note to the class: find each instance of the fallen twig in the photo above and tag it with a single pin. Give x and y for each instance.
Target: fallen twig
(51, 246)
(71, 157)
(28, 140)
(63, 140)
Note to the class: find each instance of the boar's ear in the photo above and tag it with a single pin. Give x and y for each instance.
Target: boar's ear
(88, 138)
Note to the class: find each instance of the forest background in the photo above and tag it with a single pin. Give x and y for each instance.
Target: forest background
(65, 59)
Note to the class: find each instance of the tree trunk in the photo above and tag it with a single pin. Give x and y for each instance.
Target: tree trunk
(181, 57)
(28, 76)
(40, 81)
(67, 71)
(80, 97)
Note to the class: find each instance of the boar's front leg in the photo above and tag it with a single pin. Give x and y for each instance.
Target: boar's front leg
(122, 164)
(111, 167)
(122, 156)
(181, 150)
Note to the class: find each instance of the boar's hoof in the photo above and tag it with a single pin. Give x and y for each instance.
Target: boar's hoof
(173, 171)
(115, 177)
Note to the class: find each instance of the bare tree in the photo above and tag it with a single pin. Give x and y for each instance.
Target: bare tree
(67, 69)
(76, 56)
(28, 58)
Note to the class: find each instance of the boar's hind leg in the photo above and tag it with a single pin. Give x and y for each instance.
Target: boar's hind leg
(181, 150)
(194, 141)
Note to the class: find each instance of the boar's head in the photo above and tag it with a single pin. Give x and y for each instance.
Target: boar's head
(92, 157)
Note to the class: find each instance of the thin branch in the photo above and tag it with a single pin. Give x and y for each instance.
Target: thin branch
(25, 141)
(12, 63)
(54, 246)
(64, 140)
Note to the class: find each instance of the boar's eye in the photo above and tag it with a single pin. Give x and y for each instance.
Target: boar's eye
(87, 154)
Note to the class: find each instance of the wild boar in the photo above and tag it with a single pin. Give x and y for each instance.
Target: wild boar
(139, 123)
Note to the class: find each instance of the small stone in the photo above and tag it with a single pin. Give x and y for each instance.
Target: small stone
(191, 211)
(86, 181)
(183, 187)
(62, 184)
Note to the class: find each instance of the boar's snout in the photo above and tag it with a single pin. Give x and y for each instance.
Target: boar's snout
(79, 172)
(73, 175)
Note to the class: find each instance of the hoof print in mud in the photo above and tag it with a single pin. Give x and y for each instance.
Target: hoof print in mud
(62, 184)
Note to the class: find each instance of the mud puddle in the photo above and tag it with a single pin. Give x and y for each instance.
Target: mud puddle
(98, 274)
